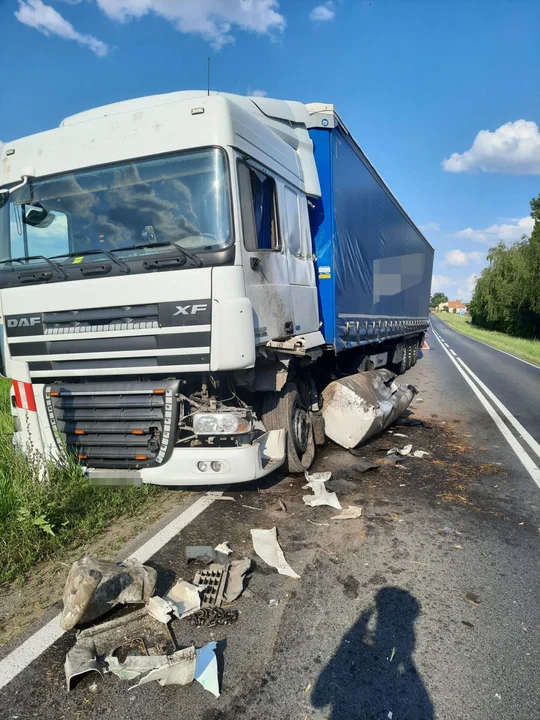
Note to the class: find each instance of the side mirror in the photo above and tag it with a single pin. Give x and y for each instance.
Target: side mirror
(37, 216)
(4, 197)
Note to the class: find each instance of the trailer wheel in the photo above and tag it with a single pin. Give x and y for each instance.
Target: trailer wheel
(409, 354)
(416, 347)
(285, 410)
(400, 367)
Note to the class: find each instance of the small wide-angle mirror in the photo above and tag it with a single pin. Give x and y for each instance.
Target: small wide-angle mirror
(37, 216)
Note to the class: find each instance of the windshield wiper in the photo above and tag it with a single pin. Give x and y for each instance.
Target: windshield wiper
(108, 253)
(55, 266)
(195, 259)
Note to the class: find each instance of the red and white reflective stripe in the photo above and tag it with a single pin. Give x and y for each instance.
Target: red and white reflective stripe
(24, 395)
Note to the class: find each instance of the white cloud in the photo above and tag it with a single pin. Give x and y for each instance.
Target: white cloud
(441, 283)
(323, 13)
(48, 21)
(466, 287)
(258, 93)
(458, 258)
(213, 19)
(509, 231)
(460, 289)
(513, 148)
(430, 226)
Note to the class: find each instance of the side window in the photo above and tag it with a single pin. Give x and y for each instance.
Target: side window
(259, 209)
(294, 233)
(34, 231)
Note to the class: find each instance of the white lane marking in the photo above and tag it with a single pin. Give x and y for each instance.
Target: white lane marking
(492, 347)
(521, 453)
(30, 649)
(453, 353)
(525, 434)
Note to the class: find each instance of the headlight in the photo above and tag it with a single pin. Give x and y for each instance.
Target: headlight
(228, 423)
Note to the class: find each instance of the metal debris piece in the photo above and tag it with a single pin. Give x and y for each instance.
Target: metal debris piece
(223, 548)
(214, 616)
(178, 669)
(351, 513)
(400, 435)
(81, 659)
(391, 459)
(93, 587)
(185, 597)
(234, 585)
(321, 496)
(359, 406)
(265, 544)
(420, 453)
(405, 450)
(206, 668)
(212, 584)
(202, 553)
(134, 665)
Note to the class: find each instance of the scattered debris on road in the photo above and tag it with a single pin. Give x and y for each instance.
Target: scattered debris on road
(472, 599)
(359, 406)
(321, 496)
(266, 545)
(405, 450)
(420, 453)
(351, 513)
(93, 587)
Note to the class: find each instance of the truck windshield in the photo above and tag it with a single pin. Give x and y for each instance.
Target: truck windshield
(181, 199)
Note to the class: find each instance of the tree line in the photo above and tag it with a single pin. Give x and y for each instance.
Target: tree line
(507, 293)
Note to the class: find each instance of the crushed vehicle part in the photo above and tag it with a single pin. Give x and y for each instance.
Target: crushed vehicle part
(351, 513)
(81, 659)
(359, 406)
(206, 669)
(420, 453)
(212, 584)
(212, 616)
(234, 585)
(185, 597)
(94, 586)
(160, 608)
(363, 464)
(405, 450)
(134, 665)
(321, 496)
(177, 669)
(266, 545)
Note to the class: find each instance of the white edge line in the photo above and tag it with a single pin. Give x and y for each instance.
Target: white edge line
(526, 461)
(491, 346)
(28, 651)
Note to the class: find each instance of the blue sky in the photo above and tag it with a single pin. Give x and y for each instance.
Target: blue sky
(418, 82)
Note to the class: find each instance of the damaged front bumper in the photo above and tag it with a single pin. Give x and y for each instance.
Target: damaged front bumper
(237, 464)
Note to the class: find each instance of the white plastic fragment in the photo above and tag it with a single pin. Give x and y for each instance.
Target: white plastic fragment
(405, 450)
(420, 453)
(185, 598)
(177, 669)
(160, 609)
(134, 665)
(265, 544)
(400, 435)
(223, 548)
(351, 513)
(321, 496)
(206, 668)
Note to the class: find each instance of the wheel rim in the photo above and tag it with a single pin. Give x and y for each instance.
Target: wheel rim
(300, 428)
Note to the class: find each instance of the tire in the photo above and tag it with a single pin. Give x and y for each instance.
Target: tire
(401, 367)
(317, 421)
(284, 410)
(416, 347)
(409, 354)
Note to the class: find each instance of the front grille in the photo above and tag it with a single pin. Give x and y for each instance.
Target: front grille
(135, 317)
(115, 425)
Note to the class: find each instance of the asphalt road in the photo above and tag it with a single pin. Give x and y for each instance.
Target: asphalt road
(425, 607)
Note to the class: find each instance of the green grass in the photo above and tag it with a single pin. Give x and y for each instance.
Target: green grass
(525, 349)
(42, 519)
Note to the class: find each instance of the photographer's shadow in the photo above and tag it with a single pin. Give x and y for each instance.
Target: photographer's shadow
(372, 672)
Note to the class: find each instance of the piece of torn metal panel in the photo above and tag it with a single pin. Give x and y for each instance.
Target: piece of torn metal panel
(420, 453)
(178, 669)
(185, 597)
(234, 586)
(359, 406)
(134, 665)
(351, 513)
(206, 668)
(94, 586)
(321, 496)
(266, 545)
(405, 450)
(81, 659)
(112, 634)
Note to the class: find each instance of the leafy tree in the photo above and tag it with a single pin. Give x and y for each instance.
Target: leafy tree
(437, 298)
(507, 294)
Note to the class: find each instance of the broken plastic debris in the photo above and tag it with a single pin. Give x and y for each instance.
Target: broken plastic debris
(420, 453)
(160, 609)
(359, 406)
(342, 486)
(212, 582)
(207, 554)
(223, 548)
(351, 513)
(134, 665)
(405, 450)
(234, 586)
(81, 659)
(265, 544)
(320, 496)
(94, 586)
(206, 668)
(392, 654)
(400, 435)
(184, 597)
(176, 669)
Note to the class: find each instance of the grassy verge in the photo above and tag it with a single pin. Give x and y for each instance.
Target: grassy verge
(40, 520)
(526, 349)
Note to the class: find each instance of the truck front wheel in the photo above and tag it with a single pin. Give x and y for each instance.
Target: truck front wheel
(285, 410)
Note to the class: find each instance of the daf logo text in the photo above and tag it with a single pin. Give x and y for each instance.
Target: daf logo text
(23, 322)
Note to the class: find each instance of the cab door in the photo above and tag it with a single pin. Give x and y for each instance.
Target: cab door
(266, 268)
(300, 261)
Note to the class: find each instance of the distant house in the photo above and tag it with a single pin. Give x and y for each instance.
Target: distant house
(454, 306)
